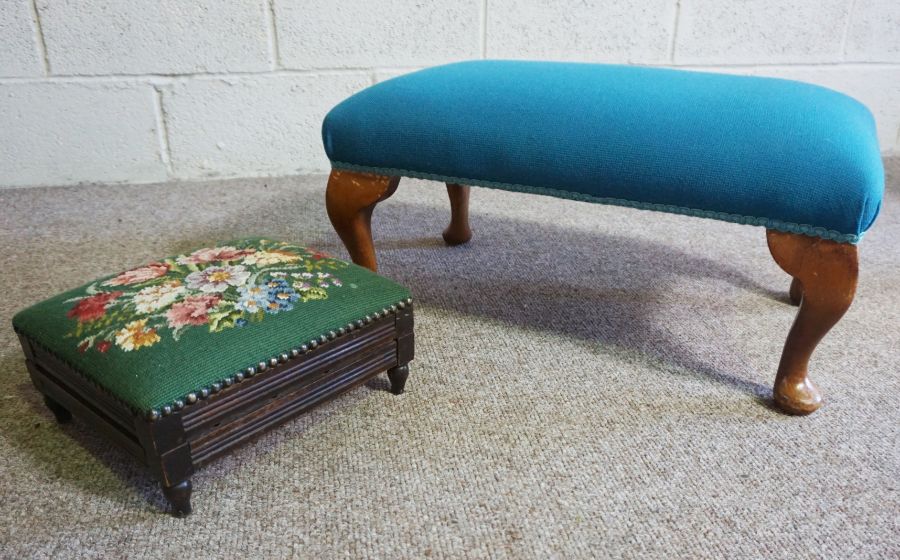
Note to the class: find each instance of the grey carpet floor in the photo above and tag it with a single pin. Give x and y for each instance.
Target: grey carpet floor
(589, 382)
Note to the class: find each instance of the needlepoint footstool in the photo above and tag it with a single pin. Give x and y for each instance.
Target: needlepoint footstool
(800, 160)
(182, 359)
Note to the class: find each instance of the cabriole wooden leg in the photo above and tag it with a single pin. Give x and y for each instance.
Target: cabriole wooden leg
(795, 294)
(458, 232)
(825, 274)
(350, 199)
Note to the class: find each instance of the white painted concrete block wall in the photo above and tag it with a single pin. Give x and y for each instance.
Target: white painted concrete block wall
(145, 90)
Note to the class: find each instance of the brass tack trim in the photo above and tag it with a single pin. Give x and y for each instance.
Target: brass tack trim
(284, 357)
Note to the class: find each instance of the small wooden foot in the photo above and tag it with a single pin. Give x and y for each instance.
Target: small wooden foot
(398, 376)
(458, 232)
(350, 199)
(63, 416)
(825, 274)
(179, 496)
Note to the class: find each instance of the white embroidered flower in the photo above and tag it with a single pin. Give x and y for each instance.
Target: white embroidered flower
(153, 298)
(266, 258)
(136, 335)
(217, 278)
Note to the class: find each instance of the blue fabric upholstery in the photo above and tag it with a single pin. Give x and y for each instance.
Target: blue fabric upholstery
(786, 155)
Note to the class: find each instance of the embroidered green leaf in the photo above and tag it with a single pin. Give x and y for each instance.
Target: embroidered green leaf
(314, 294)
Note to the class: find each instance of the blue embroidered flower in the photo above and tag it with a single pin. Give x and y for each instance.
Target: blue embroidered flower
(253, 298)
(281, 296)
(240, 322)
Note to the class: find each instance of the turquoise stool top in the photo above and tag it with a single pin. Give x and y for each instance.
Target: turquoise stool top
(785, 155)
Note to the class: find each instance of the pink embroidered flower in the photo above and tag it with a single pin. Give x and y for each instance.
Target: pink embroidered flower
(138, 275)
(93, 307)
(217, 278)
(191, 310)
(103, 346)
(215, 254)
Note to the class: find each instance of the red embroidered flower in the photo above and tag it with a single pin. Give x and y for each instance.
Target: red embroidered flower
(138, 275)
(191, 310)
(319, 255)
(93, 307)
(103, 345)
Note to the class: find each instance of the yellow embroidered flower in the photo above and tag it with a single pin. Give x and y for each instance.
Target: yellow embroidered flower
(153, 298)
(135, 336)
(266, 258)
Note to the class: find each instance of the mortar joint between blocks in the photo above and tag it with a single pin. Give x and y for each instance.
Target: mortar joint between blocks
(846, 31)
(40, 41)
(675, 26)
(272, 33)
(484, 31)
(162, 130)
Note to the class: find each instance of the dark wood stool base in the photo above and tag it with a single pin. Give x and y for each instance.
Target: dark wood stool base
(62, 415)
(173, 445)
(179, 497)
(397, 377)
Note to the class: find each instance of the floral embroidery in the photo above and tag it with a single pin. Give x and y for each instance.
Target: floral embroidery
(139, 275)
(265, 258)
(217, 278)
(281, 297)
(135, 335)
(217, 287)
(152, 298)
(193, 310)
(215, 254)
(93, 307)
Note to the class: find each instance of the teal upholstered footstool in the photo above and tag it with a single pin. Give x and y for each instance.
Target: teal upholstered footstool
(182, 359)
(798, 159)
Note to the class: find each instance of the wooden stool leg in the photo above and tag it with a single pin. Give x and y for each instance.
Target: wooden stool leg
(796, 292)
(62, 415)
(179, 495)
(458, 232)
(825, 274)
(350, 199)
(397, 376)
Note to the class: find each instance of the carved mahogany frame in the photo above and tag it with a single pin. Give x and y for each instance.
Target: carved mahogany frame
(824, 272)
(174, 445)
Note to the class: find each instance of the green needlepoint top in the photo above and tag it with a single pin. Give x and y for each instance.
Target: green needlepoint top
(156, 333)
